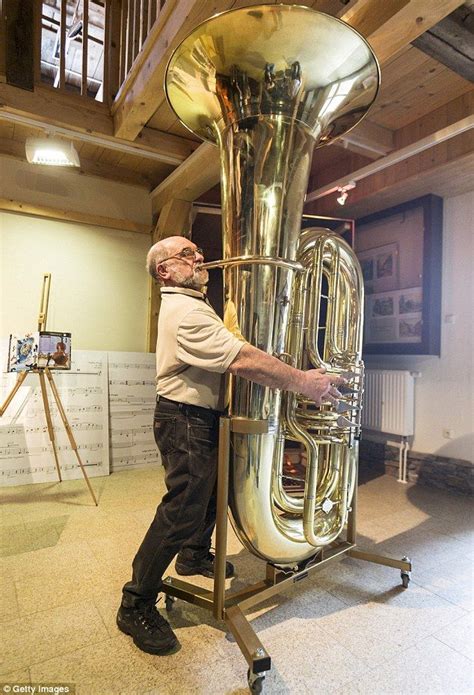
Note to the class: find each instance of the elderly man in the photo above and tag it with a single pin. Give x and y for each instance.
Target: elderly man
(194, 350)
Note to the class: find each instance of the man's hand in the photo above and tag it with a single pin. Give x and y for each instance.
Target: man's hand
(321, 387)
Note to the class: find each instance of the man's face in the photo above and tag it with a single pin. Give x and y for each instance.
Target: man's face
(182, 267)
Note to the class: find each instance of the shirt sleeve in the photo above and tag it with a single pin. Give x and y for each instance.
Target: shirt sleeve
(204, 341)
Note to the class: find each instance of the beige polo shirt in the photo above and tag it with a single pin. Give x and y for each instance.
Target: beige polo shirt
(193, 349)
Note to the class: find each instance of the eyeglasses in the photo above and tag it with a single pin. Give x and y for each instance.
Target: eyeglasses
(187, 252)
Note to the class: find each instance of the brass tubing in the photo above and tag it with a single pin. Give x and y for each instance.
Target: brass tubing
(253, 260)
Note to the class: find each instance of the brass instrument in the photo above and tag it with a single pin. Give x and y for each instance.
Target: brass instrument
(269, 83)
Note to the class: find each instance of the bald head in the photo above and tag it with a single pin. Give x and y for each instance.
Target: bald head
(169, 267)
(161, 250)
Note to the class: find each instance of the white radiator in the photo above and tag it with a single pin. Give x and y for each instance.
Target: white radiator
(389, 402)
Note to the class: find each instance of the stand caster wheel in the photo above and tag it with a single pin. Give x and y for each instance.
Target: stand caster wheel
(169, 600)
(255, 681)
(405, 574)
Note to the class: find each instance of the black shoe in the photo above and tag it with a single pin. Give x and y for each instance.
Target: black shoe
(150, 631)
(200, 563)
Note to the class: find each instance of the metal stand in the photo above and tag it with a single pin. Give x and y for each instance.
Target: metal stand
(47, 411)
(230, 606)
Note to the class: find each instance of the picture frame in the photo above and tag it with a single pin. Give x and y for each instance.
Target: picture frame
(400, 251)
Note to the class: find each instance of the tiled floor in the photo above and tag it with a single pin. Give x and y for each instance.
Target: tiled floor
(351, 628)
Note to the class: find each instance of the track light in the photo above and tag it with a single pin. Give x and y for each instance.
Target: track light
(344, 192)
(52, 152)
(341, 199)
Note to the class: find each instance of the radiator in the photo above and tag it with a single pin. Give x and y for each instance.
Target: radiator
(389, 402)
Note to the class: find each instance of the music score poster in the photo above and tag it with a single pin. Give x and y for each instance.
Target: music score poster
(26, 454)
(109, 400)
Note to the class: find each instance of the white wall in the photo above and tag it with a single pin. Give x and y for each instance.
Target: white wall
(99, 289)
(444, 392)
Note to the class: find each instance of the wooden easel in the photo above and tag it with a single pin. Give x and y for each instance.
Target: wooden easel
(41, 371)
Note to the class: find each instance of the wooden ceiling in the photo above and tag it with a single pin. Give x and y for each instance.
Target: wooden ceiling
(418, 96)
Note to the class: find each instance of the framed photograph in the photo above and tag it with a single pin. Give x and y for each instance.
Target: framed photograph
(54, 350)
(394, 317)
(380, 268)
(39, 350)
(400, 252)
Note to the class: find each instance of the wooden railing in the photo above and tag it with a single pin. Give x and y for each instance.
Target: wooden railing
(72, 65)
(137, 19)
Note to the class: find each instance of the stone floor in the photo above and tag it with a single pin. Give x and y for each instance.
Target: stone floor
(350, 629)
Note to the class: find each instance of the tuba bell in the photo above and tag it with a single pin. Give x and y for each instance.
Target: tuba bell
(268, 84)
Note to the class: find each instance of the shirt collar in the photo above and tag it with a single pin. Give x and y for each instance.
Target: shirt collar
(183, 290)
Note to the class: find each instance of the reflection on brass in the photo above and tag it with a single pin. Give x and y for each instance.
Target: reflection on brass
(267, 84)
(244, 425)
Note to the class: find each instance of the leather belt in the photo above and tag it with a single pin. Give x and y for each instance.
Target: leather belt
(187, 408)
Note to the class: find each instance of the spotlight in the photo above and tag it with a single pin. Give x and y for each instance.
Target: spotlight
(341, 199)
(52, 152)
(344, 192)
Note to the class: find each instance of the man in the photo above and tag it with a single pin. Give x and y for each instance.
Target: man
(194, 350)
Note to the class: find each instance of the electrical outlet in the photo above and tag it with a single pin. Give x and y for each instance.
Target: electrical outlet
(447, 433)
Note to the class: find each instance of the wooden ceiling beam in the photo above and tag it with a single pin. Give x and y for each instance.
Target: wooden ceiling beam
(52, 213)
(442, 119)
(369, 139)
(443, 171)
(199, 173)
(88, 120)
(464, 126)
(391, 25)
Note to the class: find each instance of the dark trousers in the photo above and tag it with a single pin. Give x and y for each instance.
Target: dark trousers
(187, 437)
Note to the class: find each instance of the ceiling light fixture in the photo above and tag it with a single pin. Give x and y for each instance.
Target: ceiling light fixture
(51, 152)
(344, 192)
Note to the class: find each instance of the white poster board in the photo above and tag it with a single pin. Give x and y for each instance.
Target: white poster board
(132, 396)
(26, 454)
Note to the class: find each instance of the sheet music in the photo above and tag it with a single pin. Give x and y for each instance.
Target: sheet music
(132, 396)
(26, 454)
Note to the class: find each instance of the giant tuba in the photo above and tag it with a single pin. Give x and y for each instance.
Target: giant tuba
(267, 84)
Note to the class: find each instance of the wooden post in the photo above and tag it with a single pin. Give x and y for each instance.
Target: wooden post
(115, 51)
(151, 14)
(130, 14)
(85, 46)
(106, 61)
(174, 220)
(37, 31)
(62, 46)
(17, 44)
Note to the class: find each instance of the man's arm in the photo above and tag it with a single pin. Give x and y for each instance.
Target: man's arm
(256, 365)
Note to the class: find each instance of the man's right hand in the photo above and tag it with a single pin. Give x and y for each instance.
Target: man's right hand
(321, 387)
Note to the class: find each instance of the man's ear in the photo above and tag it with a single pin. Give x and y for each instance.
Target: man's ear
(162, 272)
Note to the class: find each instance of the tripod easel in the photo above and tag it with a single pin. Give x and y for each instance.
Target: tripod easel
(42, 371)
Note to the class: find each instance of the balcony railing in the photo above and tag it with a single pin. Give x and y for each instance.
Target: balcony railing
(88, 47)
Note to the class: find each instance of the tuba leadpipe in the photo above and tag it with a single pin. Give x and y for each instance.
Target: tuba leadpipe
(268, 84)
